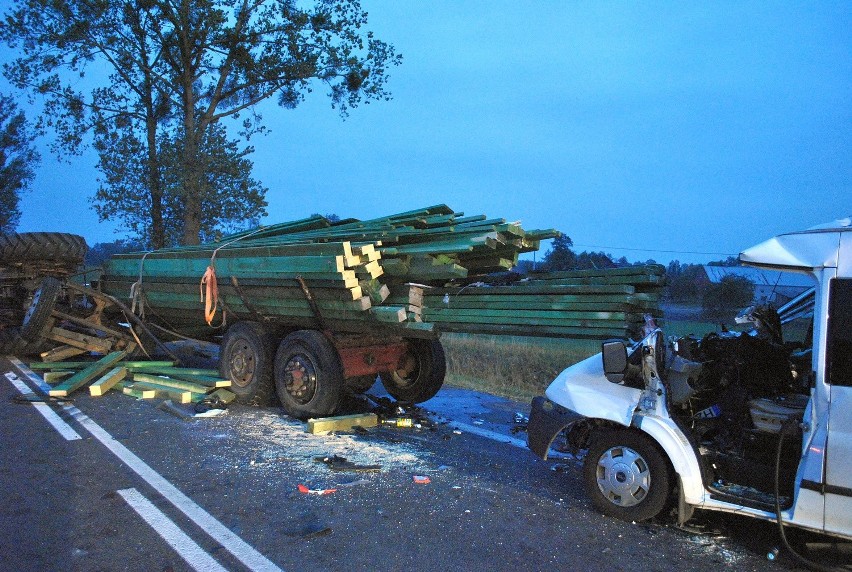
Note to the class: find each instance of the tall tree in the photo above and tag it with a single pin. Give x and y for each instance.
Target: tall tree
(18, 159)
(560, 256)
(183, 65)
(59, 42)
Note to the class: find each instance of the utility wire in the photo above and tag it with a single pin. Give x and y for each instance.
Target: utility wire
(652, 250)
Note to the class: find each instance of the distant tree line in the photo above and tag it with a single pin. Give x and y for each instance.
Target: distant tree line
(685, 283)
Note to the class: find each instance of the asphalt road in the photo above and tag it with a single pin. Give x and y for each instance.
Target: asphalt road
(117, 484)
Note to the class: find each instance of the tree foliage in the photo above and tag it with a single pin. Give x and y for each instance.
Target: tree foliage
(724, 299)
(18, 159)
(102, 251)
(559, 256)
(684, 282)
(234, 199)
(179, 67)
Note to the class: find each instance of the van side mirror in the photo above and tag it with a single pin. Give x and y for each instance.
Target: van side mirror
(614, 354)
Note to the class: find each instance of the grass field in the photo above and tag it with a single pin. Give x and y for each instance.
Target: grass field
(520, 367)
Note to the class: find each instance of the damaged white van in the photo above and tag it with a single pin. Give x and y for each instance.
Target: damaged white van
(757, 423)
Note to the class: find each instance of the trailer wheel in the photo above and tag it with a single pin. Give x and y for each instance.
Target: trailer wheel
(37, 318)
(246, 359)
(626, 475)
(420, 373)
(308, 375)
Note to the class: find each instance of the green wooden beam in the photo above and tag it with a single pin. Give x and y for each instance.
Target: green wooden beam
(81, 378)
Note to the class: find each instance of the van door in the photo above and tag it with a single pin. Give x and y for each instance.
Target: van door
(838, 456)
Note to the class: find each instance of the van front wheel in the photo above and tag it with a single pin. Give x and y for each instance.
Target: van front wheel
(626, 475)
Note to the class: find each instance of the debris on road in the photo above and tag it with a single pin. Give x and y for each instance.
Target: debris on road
(311, 531)
(354, 483)
(338, 463)
(398, 422)
(87, 374)
(189, 414)
(521, 423)
(319, 492)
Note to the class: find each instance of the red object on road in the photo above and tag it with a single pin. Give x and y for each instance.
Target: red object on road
(305, 490)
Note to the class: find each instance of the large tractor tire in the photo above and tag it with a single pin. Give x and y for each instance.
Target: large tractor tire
(420, 373)
(55, 247)
(308, 375)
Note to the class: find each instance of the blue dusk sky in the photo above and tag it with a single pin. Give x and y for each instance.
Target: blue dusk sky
(656, 130)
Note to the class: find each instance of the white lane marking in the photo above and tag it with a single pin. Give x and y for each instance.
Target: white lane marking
(46, 411)
(500, 438)
(488, 434)
(241, 550)
(186, 548)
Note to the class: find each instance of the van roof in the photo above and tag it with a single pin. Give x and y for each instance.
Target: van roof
(809, 249)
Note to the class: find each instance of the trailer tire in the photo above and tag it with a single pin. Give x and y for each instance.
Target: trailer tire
(37, 318)
(308, 375)
(42, 246)
(626, 475)
(246, 358)
(420, 373)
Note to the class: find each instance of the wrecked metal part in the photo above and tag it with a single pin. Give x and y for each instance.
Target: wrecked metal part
(547, 420)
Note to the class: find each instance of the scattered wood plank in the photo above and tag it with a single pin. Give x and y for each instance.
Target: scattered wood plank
(137, 392)
(86, 375)
(171, 383)
(56, 376)
(166, 392)
(107, 381)
(80, 341)
(342, 423)
(61, 352)
(227, 397)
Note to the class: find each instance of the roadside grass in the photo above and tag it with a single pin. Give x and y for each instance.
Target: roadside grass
(510, 366)
(521, 368)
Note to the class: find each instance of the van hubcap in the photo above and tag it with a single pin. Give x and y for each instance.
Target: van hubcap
(623, 476)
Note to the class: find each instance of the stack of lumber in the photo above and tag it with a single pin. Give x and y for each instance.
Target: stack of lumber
(427, 245)
(585, 304)
(141, 379)
(318, 273)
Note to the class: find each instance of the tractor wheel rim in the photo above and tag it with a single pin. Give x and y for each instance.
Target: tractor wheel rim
(36, 297)
(300, 379)
(623, 476)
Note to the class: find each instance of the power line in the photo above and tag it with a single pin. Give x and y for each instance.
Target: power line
(651, 250)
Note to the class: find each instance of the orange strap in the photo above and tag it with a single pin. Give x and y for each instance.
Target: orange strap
(210, 294)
